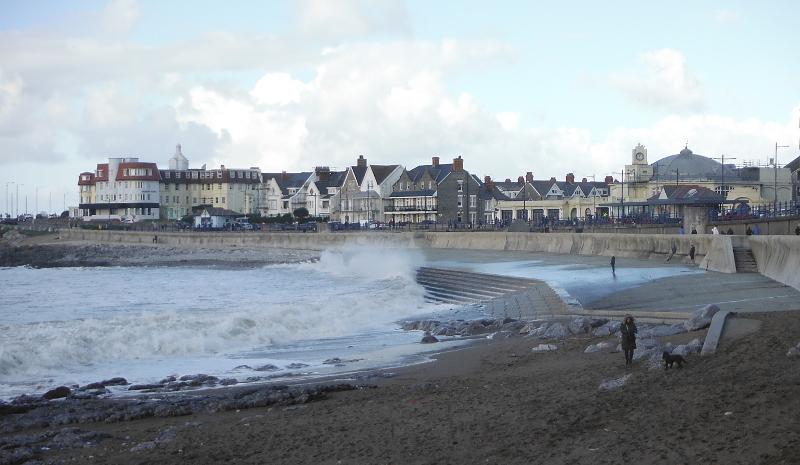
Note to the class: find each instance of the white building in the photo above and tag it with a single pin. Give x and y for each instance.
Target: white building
(123, 189)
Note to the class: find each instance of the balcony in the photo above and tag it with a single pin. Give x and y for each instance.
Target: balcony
(390, 209)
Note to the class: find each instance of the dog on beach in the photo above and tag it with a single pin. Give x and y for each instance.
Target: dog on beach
(670, 359)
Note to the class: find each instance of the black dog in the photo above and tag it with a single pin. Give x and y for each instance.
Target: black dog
(670, 359)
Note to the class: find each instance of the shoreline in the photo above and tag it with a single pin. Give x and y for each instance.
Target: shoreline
(492, 400)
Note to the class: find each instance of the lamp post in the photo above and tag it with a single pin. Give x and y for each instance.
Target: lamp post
(18, 198)
(722, 188)
(775, 166)
(7, 212)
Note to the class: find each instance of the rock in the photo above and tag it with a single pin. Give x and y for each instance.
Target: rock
(527, 329)
(294, 366)
(557, 331)
(794, 352)
(664, 330)
(228, 381)
(504, 334)
(701, 318)
(602, 331)
(429, 339)
(647, 344)
(605, 345)
(268, 367)
(579, 326)
(544, 348)
(613, 383)
(115, 382)
(541, 330)
(143, 387)
(597, 322)
(476, 327)
(592, 349)
(647, 353)
(57, 393)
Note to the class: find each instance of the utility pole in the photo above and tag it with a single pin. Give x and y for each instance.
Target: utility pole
(594, 197)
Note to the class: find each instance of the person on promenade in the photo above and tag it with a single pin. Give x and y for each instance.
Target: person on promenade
(715, 230)
(691, 253)
(694, 231)
(749, 232)
(613, 265)
(628, 330)
(797, 230)
(756, 230)
(681, 231)
(672, 252)
(730, 231)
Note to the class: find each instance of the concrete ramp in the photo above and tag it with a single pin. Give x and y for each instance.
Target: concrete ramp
(500, 296)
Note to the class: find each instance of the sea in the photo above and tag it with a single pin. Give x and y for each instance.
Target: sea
(336, 316)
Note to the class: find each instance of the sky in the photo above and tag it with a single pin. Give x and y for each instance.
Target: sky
(510, 86)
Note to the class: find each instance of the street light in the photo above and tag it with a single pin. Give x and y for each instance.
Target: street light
(775, 166)
(12, 206)
(18, 198)
(722, 189)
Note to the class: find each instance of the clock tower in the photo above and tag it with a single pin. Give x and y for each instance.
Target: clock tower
(639, 170)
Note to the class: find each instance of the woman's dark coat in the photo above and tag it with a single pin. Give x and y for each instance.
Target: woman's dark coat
(627, 329)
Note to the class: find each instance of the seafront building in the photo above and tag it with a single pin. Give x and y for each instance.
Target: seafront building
(123, 189)
(126, 189)
(184, 190)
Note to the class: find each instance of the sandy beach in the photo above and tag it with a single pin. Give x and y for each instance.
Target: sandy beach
(496, 401)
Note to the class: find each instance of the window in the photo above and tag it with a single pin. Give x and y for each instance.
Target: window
(223, 200)
(220, 186)
(216, 200)
(166, 186)
(473, 201)
(149, 171)
(460, 201)
(177, 175)
(177, 186)
(194, 199)
(460, 186)
(166, 174)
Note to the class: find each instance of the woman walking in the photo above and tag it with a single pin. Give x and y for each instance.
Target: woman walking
(628, 330)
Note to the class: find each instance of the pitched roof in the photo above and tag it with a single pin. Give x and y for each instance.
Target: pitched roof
(381, 172)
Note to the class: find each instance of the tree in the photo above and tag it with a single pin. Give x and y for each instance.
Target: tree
(300, 213)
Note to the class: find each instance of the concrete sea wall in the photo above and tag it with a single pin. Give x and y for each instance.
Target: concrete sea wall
(712, 252)
(778, 257)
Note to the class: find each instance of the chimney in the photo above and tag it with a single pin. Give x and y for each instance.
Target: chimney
(222, 167)
(323, 173)
(487, 179)
(570, 178)
(508, 180)
(284, 176)
(552, 179)
(458, 164)
(435, 161)
(529, 177)
(520, 180)
(584, 180)
(361, 161)
(609, 179)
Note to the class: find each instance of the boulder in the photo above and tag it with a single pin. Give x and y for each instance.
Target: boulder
(664, 330)
(57, 393)
(475, 328)
(794, 352)
(592, 349)
(701, 318)
(557, 331)
(579, 326)
(429, 339)
(541, 330)
(605, 345)
(597, 322)
(602, 331)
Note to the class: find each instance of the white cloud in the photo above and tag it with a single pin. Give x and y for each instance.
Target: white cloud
(666, 81)
(332, 20)
(508, 119)
(726, 18)
(119, 17)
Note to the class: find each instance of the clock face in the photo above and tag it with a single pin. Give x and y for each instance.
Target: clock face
(639, 156)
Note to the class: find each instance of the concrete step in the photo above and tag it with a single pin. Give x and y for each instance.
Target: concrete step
(745, 260)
